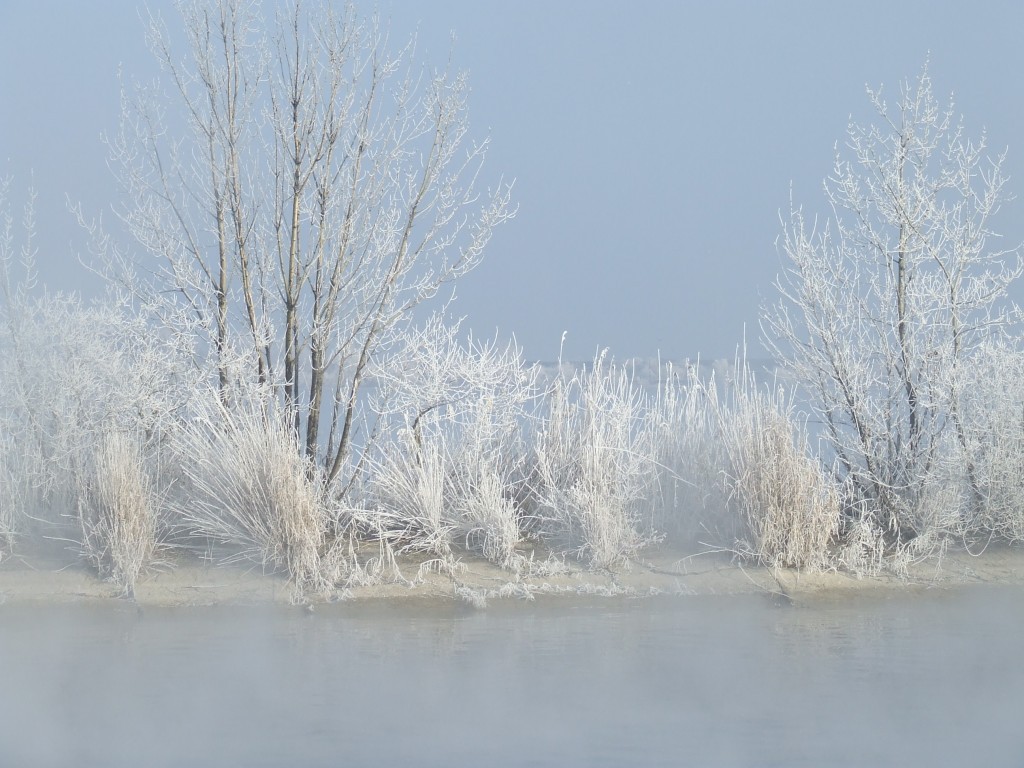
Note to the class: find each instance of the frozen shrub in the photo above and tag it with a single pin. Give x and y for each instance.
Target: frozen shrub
(116, 511)
(690, 501)
(10, 498)
(993, 423)
(74, 378)
(248, 485)
(863, 549)
(452, 472)
(490, 522)
(789, 508)
(412, 514)
(72, 375)
(735, 472)
(595, 467)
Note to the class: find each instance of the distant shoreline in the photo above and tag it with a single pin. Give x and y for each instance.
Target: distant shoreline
(478, 583)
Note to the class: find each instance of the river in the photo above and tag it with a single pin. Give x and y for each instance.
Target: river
(928, 679)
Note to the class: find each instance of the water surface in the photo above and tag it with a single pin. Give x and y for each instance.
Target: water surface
(934, 679)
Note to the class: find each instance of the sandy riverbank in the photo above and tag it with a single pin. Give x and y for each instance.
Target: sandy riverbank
(477, 581)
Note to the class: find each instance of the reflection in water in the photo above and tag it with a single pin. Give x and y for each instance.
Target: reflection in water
(929, 679)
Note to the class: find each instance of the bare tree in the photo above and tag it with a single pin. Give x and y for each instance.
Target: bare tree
(886, 304)
(320, 188)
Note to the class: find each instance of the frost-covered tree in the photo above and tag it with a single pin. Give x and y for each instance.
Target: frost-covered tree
(886, 304)
(294, 193)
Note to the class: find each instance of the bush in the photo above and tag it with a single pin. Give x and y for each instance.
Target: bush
(789, 508)
(691, 500)
(11, 497)
(994, 446)
(248, 485)
(116, 511)
(735, 471)
(452, 472)
(595, 466)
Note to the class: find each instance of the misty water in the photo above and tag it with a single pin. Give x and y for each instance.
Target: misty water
(915, 679)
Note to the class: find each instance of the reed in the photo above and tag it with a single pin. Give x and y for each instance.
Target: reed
(594, 466)
(117, 511)
(250, 488)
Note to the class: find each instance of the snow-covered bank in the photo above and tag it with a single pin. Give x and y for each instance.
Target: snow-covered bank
(476, 582)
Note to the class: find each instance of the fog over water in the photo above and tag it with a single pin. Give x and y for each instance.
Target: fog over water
(913, 679)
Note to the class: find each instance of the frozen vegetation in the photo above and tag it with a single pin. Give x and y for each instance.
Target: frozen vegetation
(254, 387)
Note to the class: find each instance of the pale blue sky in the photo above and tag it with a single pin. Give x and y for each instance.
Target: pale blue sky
(653, 143)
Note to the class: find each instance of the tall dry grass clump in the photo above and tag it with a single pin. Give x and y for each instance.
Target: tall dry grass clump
(486, 493)
(446, 490)
(411, 503)
(594, 466)
(117, 511)
(691, 499)
(9, 500)
(789, 508)
(735, 472)
(249, 487)
(450, 475)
